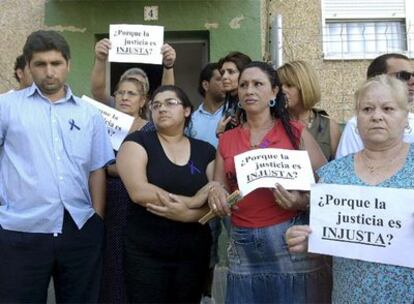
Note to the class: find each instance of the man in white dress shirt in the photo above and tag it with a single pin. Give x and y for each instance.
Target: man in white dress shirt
(394, 64)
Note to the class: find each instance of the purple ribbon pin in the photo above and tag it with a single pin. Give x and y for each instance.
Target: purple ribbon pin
(265, 144)
(193, 168)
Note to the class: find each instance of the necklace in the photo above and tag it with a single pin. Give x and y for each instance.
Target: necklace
(385, 164)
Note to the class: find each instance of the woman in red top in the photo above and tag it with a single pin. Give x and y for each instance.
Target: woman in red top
(261, 270)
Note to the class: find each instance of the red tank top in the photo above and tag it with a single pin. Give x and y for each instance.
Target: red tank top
(258, 208)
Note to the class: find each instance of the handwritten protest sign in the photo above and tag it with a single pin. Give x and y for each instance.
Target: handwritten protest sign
(136, 43)
(262, 168)
(118, 123)
(366, 223)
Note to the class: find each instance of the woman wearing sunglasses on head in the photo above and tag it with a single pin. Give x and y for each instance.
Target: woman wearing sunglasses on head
(164, 171)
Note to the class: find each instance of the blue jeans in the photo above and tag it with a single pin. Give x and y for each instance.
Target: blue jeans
(261, 270)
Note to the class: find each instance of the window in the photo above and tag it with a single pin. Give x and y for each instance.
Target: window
(362, 29)
(359, 39)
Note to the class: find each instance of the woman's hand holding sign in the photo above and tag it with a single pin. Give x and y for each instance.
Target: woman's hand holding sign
(297, 238)
(102, 48)
(291, 200)
(168, 56)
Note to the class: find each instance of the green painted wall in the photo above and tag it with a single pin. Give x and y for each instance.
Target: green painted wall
(232, 25)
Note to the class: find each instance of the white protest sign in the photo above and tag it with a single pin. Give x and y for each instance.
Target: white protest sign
(118, 123)
(263, 168)
(366, 223)
(136, 43)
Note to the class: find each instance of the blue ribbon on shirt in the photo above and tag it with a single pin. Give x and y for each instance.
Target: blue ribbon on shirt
(73, 125)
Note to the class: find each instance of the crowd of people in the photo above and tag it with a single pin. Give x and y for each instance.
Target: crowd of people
(123, 226)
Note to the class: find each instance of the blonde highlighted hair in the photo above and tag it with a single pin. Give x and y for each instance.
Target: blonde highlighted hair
(132, 73)
(301, 75)
(396, 87)
(141, 90)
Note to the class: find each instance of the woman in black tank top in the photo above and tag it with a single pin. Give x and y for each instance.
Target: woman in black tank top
(167, 178)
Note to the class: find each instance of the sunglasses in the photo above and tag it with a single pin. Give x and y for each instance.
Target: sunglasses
(404, 75)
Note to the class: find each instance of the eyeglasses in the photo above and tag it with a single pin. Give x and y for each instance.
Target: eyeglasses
(169, 103)
(404, 75)
(129, 94)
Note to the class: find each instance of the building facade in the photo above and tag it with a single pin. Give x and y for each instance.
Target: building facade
(202, 31)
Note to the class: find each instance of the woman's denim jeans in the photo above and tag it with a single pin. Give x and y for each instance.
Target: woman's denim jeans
(261, 270)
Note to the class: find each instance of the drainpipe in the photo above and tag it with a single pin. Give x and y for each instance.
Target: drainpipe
(276, 43)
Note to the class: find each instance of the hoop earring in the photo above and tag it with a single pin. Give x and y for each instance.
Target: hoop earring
(408, 129)
(239, 105)
(272, 103)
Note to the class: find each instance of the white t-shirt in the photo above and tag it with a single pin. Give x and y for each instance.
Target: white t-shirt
(351, 142)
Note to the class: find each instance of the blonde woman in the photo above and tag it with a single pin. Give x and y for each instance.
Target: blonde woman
(301, 87)
(385, 161)
(130, 98)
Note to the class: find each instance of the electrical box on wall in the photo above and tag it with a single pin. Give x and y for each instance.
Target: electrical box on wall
(150, 13)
